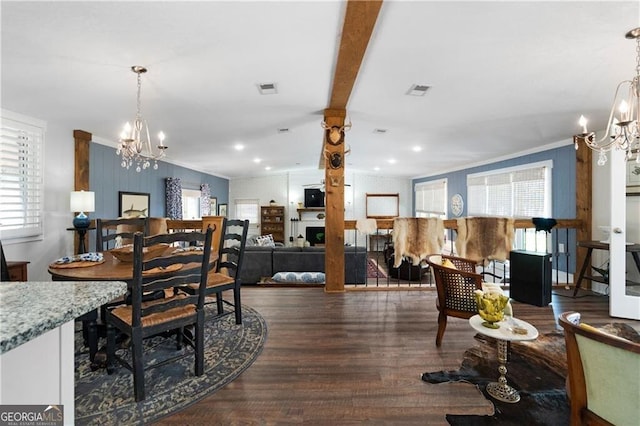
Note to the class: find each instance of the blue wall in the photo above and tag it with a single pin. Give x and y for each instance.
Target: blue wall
(107, 178)
(563, 179)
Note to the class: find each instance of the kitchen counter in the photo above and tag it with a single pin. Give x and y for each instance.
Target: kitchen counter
(30, 309)
(37, 339)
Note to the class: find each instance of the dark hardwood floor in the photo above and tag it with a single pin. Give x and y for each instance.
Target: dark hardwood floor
(357, 357)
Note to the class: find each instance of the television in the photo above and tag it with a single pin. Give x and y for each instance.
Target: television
(313, 197)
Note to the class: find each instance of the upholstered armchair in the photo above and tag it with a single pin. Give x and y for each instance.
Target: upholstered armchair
(603, 375)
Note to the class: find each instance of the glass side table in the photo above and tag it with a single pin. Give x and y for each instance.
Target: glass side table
(511, 330)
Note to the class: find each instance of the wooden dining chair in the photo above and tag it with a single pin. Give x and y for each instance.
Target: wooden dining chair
(227, 274)
(456, 280)
(108, 230)
(603, 369)
(179, 309)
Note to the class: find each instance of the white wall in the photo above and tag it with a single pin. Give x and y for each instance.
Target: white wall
(287, 189)
(58, 183)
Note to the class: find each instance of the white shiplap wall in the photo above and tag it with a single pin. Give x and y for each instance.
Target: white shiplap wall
(287, 189)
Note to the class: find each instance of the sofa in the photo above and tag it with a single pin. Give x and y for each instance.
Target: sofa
(264, 262)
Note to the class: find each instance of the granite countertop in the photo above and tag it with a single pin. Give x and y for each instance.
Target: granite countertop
(30, 309)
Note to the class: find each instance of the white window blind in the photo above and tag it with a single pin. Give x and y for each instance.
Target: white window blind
(247, 209)
(21, 177)
(431, 198)
(523, 191)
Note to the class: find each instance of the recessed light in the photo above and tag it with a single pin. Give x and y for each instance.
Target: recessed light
(417, 148)
(257, 160)
(418, 89)
(238, 147)
(391, 161)
(376, 169)
(268, 168)
(267, 88)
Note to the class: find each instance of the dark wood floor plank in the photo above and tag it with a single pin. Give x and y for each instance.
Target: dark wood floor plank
(357, 357)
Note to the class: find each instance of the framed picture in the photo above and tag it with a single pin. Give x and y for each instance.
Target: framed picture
(213, 203)
(633, 177)
(133, 204)
(222, 210)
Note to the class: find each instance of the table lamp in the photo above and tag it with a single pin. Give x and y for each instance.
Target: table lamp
(82, 201)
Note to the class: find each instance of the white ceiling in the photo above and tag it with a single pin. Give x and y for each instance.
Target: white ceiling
(506, 77)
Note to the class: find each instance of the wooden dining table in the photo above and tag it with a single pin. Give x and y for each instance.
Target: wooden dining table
(112, 269)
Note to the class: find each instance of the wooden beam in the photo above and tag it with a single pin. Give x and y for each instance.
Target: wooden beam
(584, 190)
(82, 141)
(359, 21)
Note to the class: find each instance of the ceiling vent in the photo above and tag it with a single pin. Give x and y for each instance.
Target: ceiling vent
(284, 130)
(267, 88)
(418, 90)
(380, 131)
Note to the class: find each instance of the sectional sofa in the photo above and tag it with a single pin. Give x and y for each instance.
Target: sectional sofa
(264, 262)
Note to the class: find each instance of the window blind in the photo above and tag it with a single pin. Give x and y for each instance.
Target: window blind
(431, 198)
(523, 191)
(247, 209)
(21, 178)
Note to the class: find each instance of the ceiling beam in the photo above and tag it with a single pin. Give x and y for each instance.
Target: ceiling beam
(359, 22)
(360, 19)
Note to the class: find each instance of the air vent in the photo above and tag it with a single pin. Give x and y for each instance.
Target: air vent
(418, 90)
(267, 88)
(380, 131)
(284, 130)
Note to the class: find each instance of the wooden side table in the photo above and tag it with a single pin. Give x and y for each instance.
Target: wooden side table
(17, 270)
(634, 249)
(500, 390)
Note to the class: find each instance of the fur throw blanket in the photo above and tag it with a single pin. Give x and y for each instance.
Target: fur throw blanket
(484, 238)
(416, 238)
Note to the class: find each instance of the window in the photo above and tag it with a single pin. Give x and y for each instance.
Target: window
(21, 177)
(247, 209)
(431, 198)
(520, 192)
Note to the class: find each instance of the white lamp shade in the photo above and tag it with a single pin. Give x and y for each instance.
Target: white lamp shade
(82, 201)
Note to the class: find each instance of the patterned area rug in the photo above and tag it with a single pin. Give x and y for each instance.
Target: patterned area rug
(229, 350)
(374, 270)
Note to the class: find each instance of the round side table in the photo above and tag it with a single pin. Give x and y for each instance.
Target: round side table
(500, 390)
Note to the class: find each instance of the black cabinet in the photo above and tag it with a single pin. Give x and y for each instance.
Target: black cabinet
(530, 277)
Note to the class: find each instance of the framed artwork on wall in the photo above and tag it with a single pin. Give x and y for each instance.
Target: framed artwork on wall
(133, 204)
(222, 210)
(633, 176)
(213, 203)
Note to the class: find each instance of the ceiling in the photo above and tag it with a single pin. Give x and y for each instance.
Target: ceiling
(506, 77)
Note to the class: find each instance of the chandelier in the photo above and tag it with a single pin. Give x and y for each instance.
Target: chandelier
(135, 144)
(623, 131)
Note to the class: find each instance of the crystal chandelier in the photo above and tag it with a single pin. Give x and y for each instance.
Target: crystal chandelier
(623, 131)
(135, 144)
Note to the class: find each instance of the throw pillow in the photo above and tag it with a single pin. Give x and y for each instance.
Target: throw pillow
(299, 277)
(265, 241)
(448, 264)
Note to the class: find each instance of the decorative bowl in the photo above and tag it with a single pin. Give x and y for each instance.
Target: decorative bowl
(125, 254)
(491, 307)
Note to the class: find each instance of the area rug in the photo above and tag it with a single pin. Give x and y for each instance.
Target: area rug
(374, 270)
(536, 369)
(108, 399)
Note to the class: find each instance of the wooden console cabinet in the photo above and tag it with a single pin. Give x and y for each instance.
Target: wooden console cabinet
(17, 270)
(272, 222)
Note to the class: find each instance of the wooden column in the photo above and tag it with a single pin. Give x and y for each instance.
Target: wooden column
(82, 142)
(584, 190)
(334, 192)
